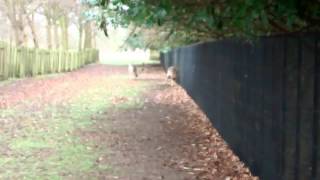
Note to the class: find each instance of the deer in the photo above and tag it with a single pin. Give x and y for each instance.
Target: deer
(132, 70)
(172, 74)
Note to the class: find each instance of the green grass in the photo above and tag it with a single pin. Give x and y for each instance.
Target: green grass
(50, 148)
(25, 144)
(8, 81)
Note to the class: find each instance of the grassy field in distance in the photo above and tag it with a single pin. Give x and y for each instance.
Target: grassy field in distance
(125, 58)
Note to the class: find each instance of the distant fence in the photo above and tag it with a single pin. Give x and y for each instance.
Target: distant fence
(22, 62)
(263, 97)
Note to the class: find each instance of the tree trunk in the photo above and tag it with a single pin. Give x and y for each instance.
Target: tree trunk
(64, 28)
(15, 17)
(23, 38)
(56, 35)
(94, 39)
(21, 24)
(80, 45)
(49, 32)
(88, 36)
(16, 35)
(33, 30)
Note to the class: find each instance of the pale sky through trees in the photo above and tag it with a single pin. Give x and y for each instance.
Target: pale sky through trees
(57, 24)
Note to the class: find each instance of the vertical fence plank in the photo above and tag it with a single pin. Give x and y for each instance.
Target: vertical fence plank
(68, 61)
(6, 62)
(41, 61)
(35, 63)
(2, 60)
(48, 62)
(290, 107)
(20, 61)
(73, 61)
(60, 61)
(51, 70)
(56, 60)
(277, 103)
(17, 62)
(41, 66)
(306, 92)
(61, 56)
(316, 157)
(29, 62)
(15, 67)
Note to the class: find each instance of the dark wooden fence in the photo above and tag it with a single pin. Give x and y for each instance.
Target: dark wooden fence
(22, 61)
(262, 96)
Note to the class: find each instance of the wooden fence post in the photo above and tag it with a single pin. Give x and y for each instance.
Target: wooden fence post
(2, 60)
(59, 61)
(6, 62)
(15, 67)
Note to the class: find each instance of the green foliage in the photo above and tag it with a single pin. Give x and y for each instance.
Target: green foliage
(193, 21)
(136, 40)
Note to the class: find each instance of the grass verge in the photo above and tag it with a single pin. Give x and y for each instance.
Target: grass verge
(42, 144)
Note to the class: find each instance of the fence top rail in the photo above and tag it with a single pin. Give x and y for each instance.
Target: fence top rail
(254, 39)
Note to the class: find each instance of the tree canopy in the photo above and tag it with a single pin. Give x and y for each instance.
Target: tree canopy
(46, 24)
(168, 23)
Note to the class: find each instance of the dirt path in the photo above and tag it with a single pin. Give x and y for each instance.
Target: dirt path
(96, 123)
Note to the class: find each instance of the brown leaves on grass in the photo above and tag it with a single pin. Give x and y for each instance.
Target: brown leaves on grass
(207, 156)
(54, 89)
(118, 100)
